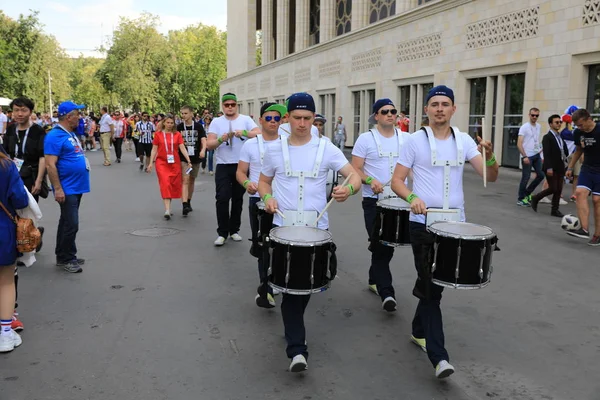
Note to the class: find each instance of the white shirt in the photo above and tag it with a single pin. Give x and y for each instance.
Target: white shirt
(302, 158)
(230, 154)
(3, 122)
(250, 154)
(428, 181)
(376, 166)
(339, 129)
(285, 130)
(105, 122)
(531, 138)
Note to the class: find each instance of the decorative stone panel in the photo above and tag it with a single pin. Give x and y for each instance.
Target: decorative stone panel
(329, 69)
(265, 85)
(418, 48)
(517, 25)
(281, 80)
(302, 75)
(591, 12)
(367, 60)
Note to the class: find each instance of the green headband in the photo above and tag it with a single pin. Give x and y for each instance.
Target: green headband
(229, 97)
(280, 108)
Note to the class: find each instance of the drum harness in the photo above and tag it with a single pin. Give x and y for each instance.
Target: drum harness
(392, 156)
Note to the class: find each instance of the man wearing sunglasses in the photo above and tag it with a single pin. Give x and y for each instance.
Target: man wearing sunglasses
(375, 156)
(248, 172)
(226, 136)
(530, 148)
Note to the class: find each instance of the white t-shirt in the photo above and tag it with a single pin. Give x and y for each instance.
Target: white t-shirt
(339, 129)
(428, 181)
(302, 158)
(250, 154)
(375, 166)
(531, 138)
(285, 130)
(105, 122)
(230, 154)
(3, 122)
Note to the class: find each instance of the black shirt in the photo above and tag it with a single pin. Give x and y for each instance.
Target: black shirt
(34, 145)
(192, 136)
(590, 143)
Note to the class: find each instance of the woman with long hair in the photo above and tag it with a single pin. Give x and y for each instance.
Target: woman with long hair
(168, 165)
(13, 196)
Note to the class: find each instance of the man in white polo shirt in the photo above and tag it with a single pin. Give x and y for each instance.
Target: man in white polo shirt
(107, 131)
(530, 147)
(226, 135)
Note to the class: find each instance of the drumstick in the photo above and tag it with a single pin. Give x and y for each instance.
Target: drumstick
(440, 210)
(483, 152)
(285, 130)
(331, 201)
(280, 213)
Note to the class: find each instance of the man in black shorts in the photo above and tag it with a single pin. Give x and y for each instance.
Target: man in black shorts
(194, 138)
(587, 142)
(146, 130)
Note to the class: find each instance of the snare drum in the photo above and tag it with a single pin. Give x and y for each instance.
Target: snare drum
(299, 260)
(392, 224)
(332, 181)
(265, 223)
(462, 254)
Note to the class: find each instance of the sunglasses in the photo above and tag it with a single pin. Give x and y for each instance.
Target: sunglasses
(535, 115)
(229, 105)
(270, 118)
(385, 112)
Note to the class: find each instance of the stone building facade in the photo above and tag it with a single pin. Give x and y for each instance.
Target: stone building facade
(501, 57)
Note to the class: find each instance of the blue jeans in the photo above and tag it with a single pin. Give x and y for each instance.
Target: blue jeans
(535, 162)
(68, 225)
(209, 155)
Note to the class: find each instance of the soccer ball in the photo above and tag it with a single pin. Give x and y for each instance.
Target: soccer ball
(570, 223)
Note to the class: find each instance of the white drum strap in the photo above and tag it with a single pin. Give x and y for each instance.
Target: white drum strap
(447, 164)
(301, 175)
(261, 148)
(392, 156)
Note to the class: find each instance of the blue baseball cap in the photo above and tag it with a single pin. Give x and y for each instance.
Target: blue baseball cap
(440, 90)
(301, 101)
(377, 106)
(67, 106)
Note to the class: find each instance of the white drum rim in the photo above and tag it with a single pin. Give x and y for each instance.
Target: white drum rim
(384, 203)
(300, 292)
(287, 242)
(440, 232)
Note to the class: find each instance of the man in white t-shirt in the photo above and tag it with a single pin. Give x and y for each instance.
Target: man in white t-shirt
(120, 125)
(374, 156)
(107, 131)
(441, 145)
(226, 137)
(530, 147)
(339, 133)
(303, 152)
(248, 172)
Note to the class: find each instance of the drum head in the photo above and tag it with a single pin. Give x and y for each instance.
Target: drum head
(393, 203)
(301, 236)
(461, 230)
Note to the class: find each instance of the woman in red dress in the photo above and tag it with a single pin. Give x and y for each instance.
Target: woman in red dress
(167, 141)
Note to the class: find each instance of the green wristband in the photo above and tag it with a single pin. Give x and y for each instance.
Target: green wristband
(245, 184)
(491, 161)
(267, 197)
(411, 197)
(220, 140)
(245, 133)
(351, 186)
(369, 180)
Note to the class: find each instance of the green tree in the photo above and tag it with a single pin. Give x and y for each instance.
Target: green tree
(87, 89)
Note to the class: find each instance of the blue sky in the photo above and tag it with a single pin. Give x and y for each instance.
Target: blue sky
(82, 26)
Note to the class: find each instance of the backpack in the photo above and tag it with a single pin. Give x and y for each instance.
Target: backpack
(28, 236)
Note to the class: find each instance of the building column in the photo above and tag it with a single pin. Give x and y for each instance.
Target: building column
(489, 108)
(419, 106)
(283, 28)
(360, 14)
(327, 20)
(413, 109)
(499, 137)
(302, 24)
(267, 31)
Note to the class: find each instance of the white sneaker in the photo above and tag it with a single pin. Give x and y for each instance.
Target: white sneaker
(137, 159)
(562, 202)
(545, 200)
(444, 369)
(298, 364)
(389, 304)
(236, 237)
(9, 342)
(220, 241)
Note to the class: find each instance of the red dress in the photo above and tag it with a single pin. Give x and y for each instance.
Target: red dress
(169, 174)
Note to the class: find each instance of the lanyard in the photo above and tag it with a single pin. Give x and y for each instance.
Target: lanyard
(24, 142)
(77, 144)
(559, 141)
(172, 140)
(185, 130)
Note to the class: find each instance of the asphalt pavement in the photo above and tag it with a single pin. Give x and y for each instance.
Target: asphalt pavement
(173, 317)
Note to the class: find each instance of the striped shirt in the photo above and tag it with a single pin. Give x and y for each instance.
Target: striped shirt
(146, 131)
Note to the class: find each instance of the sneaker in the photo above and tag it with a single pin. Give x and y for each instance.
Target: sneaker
(573, 198)
(236, 237)
(389, 304)
(167, 215)
(9, 342)
(546, 200)
(203, 171)
(580, 233)
(265, 302)
(523, 203)
(557, 214)
(16, 325)
(562, 202)
(137, 159)
(190, 206)
(528, 197)
(186, 209)
(298, 364)
(118, 161)
(39, 246)
(594, 241)
(419, 342)
(373, 289)
(443, 370)
(72, 267)
(141, 167)
(79, 261)
(220, 241)
(211, 173)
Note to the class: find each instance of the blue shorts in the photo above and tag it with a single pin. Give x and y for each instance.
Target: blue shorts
(589, 180)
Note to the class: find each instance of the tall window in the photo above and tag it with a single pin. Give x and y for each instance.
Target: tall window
(476, 105)
(380, 9)
(292, 25)
(357, 107)
(593, 96)
(274, 30)
(404, 103)
(513, 117)
(250, 108)
(343, 16)
(370, 102)
(327, 109)
(315, 22)
(426, 87)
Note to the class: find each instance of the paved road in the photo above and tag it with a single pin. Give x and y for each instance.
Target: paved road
(174, 317)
